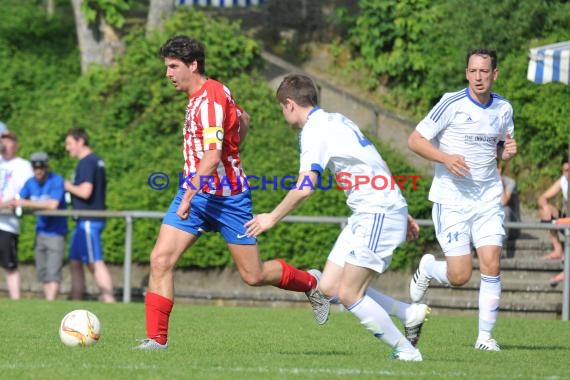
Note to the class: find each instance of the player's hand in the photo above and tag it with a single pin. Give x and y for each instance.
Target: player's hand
(510, 148)
(456, 164)
(259, 224)
(413, 229)
(183, 208)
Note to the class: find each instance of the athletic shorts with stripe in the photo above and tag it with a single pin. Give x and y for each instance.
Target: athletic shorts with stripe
(369, 240)
(86, 241)
(224, 214)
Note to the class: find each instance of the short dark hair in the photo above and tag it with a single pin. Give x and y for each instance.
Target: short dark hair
(564, 159)
(185, 49)
(299, 88)
(483, 52)
(77, 134)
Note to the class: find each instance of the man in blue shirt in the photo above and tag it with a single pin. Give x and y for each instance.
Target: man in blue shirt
(45, 191)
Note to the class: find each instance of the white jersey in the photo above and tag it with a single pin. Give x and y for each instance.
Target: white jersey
(460, 125)
(13, 174)
(330, 140)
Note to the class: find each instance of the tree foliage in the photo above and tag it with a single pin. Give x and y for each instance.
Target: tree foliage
(417, 49)
(135, 119)
(113, 10)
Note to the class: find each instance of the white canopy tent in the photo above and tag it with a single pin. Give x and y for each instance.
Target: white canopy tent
(551, 63)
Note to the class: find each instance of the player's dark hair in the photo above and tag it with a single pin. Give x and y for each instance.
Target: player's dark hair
(77, 134)
(299, 88)
(185, 49)
(484, 53)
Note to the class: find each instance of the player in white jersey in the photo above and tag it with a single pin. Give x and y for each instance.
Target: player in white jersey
(464, 135)
(379, 222)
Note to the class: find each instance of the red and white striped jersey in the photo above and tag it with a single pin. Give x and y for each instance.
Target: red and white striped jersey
(212, 122)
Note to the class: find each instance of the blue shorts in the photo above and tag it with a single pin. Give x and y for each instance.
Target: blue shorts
(224, 214)
(86, 241)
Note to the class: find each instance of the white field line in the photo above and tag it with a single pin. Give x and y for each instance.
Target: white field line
(414, 372)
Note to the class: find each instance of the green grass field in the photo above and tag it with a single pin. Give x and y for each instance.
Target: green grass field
(209, 342)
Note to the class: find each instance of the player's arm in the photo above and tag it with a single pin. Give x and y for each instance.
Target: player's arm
(455, 163)
(507, 150)
(292, 200)
(243, 125)
(413, 231)
(206, 169)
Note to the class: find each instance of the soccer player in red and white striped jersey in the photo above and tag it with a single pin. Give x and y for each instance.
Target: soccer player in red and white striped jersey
(213, 197)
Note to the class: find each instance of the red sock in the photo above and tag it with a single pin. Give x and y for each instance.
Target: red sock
(158, 310)
(295, 279)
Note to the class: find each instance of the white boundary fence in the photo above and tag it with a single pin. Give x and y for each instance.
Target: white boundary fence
(129, 216)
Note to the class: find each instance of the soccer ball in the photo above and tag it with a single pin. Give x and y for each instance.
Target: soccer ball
(80, 328)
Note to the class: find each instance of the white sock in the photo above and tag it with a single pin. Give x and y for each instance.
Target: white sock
(376, 320)
(394, 307)
(489, 297)
(438, 271)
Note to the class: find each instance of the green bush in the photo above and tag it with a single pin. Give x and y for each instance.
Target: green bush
(135, 117)
(417, 50)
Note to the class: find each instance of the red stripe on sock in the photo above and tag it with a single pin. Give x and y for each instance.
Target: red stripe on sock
(295, 279)
(158, 310)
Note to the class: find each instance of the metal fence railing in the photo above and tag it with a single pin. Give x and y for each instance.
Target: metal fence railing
(129, 216)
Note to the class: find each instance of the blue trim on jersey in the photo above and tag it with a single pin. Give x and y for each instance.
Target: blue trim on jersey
(317, 168)
(315, 108)
(484, 106)
(439, 111)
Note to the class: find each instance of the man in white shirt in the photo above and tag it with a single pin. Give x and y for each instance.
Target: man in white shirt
(378, 225)
(14, 172)
(464, 135)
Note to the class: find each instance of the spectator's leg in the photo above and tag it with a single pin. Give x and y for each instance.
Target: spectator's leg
(548, 213)
(77, 279)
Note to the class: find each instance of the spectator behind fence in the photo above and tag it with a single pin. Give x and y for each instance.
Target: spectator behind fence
(511, 204)
(45, 191)
(14, 172)
(88, 190)
(549, 212)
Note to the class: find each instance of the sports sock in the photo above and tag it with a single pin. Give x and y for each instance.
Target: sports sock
(295, 279)
(376, 320)
(158, 310)
(389, 304)
(489, 297)
(438, 271)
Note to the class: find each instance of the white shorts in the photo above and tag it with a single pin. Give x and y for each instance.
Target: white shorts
(459, 226)
(368, 240)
